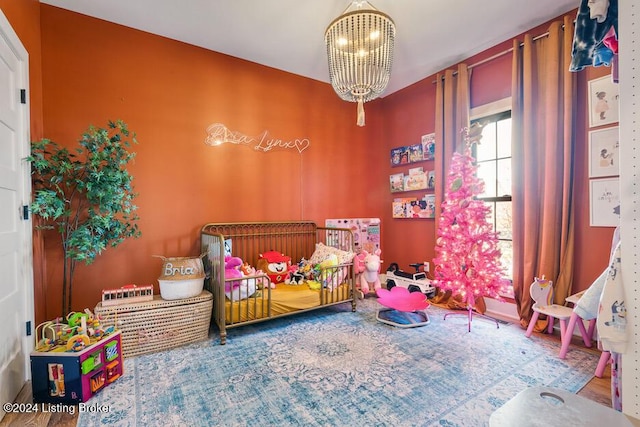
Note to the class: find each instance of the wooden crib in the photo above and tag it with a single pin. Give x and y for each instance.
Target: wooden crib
(298, 240)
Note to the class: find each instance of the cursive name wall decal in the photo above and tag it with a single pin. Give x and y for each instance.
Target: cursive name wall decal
(218, 134)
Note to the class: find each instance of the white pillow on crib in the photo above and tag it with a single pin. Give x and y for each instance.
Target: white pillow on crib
(323, 251)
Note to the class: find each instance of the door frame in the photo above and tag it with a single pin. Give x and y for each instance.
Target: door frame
(25, 280)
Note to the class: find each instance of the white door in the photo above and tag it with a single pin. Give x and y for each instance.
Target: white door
(16, 269)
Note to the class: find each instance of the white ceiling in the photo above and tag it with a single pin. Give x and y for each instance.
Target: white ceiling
(289, 34)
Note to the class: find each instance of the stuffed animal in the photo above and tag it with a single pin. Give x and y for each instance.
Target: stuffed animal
(327, 275)
(261, 282)
(275, 265)
(306, 269)
(367, 266)
(236, 290)
(247, 269)
(295, 277)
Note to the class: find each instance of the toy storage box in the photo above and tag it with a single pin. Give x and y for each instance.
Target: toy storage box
(159, 324)
(74, 377)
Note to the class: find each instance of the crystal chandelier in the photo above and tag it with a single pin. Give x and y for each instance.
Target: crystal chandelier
(360, 51)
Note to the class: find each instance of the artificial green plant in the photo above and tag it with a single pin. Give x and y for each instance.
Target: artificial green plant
(86, 195)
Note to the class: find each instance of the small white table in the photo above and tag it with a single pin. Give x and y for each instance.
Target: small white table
(546, 406)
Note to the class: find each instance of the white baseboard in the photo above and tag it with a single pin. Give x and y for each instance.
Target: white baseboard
(502, 310)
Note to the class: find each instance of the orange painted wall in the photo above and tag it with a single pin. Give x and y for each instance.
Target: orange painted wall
(409, 114)
(169, 93)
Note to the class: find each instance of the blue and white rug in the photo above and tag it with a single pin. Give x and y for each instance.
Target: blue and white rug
(338, 368)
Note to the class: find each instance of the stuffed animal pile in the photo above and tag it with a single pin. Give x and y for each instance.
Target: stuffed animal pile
(243, 280)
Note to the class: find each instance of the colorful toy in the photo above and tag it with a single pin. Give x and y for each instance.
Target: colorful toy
(81, 330)
(296, 277)
(327, 274)
(275, 265)
(248, 270)
(412, 305)
(236, 289)
(306, 269)
(50, 332)
(126, 294)
(77, 342)
(367, 266)
(413, 282)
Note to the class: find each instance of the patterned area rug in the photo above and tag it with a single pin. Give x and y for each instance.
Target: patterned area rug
(338, 368)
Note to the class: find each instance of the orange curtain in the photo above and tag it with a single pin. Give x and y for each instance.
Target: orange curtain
(543, 96)
(452, 116)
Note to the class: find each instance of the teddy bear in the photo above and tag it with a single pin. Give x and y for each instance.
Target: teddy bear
(236, 289)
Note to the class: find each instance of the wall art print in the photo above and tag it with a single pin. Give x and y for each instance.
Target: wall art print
(603, 101)
(604, 197)
(604, 146)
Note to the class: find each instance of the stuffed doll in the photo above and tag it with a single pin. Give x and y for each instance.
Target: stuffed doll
(275, 265)
(367, 265)
(236, 289)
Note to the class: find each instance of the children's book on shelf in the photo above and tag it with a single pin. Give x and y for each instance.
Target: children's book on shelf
(412, 207)
(399, 156)
(431, 180)
(415, 153)
(430, 206)
(397, 182)
(415, 180)
(429, 146)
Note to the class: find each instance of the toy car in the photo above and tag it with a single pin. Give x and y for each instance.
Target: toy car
(413, 282)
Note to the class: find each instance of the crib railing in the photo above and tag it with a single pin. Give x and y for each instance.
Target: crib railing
(247, 241)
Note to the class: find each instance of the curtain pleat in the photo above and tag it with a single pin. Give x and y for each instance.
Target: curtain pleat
(543, 122)
(452, 116)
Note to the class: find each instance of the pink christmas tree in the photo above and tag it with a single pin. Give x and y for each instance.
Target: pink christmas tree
(467, 255)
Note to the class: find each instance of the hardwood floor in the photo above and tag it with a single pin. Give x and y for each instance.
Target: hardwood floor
(598, 390)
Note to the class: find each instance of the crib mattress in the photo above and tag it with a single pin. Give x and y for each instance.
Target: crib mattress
(284, 299)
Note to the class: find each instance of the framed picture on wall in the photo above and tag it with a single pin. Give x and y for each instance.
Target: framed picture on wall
(603, 102)
(604, 201)
(603, 152)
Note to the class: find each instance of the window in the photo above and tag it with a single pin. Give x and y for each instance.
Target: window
(493, 157)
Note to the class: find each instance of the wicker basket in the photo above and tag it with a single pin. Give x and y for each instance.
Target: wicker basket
(159, 324)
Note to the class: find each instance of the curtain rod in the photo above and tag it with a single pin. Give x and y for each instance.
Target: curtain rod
(504, 52)
(498, 55)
